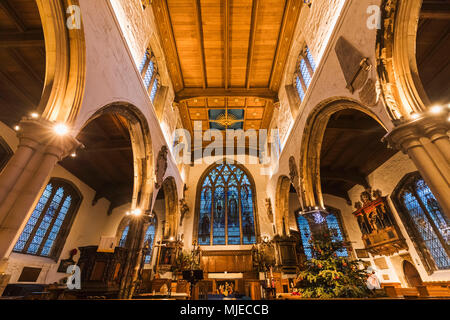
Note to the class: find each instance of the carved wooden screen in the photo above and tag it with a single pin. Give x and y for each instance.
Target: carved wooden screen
(424, 219)
(48, 226)
(226, 208)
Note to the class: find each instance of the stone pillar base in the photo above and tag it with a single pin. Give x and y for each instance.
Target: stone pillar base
(4, 279)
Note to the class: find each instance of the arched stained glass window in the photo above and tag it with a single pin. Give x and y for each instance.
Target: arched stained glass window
(149, 240)
(305, 233)
(154, 90)
(425, 220)
(149, 72)
(306, 66)
(123, 237)
(226, 207)
(335, 228)
(48, 226)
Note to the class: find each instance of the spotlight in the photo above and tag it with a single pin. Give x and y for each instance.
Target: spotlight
(61, 129)
(73, 154)
(317, 208)
(136, 212)
(34, 115)
(436, 109)
(17, 128)
(171, 239)
(127, 213)
(415, 116)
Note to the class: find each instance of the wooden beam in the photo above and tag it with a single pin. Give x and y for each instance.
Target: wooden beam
(201, 47)
(32, 38)
(17, 90)
(435, 10)
(163, 21)
(25, 65)
(287, 30)
(190, 93)
(251, 42)
(226, 42)
(11, 13)
(341, 175)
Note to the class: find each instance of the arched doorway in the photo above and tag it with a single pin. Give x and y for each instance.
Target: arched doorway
(116, 160)
(341, 146)
(412, 276)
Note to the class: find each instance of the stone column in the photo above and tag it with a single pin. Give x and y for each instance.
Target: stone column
(426, 142)
(21, 181)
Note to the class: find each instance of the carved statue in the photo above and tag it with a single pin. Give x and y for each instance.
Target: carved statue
(161, 166)
(269, 209)
(366, 198)
(184, 209)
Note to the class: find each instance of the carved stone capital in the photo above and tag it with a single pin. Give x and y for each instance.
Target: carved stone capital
(406, 136)
(39, 135)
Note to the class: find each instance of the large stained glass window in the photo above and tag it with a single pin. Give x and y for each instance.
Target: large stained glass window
(305, 233)
(123, 237)
(46, 229)
(425, 219)
(149, 240)
(226, 208)
(336, 232)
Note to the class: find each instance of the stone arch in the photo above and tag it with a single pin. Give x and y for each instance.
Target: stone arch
(5, 153)
(311, 146)
(142, 150)
(282, 205)
(172, 217)
(65, 74)
(401, 87)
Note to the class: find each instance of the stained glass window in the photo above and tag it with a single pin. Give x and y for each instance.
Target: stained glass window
(336, 232)
(123, 237)
(143, 62)
(154, 90)
(304, 73)
(226, 210)
(148, 74)
(428, 222)
(305, 233)
(300, 91)
(50, 220)
(310, 59)
(149, 70)
(149, 240)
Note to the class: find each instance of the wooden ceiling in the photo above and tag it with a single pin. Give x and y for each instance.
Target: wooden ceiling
(106, 162)
(226, 54)
(351, 150)
(22, 59)
(433, 49)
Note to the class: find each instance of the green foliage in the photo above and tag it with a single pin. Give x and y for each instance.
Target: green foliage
(326, 275)
(185, 261)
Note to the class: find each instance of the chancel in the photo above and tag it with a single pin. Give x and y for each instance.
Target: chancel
(224, 150)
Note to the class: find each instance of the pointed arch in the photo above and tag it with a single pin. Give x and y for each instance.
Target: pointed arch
(226, 210)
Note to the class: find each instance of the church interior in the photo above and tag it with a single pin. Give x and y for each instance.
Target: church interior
(224, 149)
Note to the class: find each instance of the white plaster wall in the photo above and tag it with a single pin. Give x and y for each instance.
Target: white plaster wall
(112, 74)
